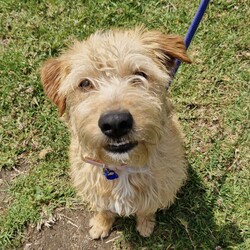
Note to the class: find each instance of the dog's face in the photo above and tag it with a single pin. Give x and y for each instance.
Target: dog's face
(112, 89)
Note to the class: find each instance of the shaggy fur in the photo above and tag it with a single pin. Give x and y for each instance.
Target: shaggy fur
(125, 70)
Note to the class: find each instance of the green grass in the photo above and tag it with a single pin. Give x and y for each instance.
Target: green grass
(211, 96)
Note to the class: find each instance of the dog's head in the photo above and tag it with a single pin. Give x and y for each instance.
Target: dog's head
(112, 89)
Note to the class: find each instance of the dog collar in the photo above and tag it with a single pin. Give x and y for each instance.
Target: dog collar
(108, 173)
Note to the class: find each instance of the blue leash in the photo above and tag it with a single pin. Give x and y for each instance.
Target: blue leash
(191, 31)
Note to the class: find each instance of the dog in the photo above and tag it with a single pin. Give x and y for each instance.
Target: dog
(126, 153)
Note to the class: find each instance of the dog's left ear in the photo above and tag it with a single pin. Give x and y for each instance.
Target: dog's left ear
(52, 74)
(167, 48)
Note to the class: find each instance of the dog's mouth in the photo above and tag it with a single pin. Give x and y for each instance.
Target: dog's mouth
(120, 147)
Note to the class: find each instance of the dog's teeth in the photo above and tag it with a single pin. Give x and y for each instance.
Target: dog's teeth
(117, 144)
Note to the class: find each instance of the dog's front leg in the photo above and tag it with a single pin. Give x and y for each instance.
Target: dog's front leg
(101, 224)
(145, 224)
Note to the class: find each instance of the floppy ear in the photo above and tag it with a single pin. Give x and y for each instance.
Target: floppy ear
(167, 48)
(52, 73)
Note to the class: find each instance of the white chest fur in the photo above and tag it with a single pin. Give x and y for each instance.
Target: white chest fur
(135, 191)
(123, 194)
(127, 195)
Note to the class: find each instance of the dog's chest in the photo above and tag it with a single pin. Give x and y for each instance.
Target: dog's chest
(127, 192)
(124, 188)
(123, 195)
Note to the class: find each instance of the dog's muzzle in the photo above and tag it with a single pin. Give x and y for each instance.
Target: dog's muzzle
(116, 125)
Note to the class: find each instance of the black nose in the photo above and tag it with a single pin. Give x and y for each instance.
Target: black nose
(116, 124)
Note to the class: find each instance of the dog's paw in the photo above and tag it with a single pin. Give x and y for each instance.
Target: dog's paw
(98, 231)
(100, 226)
(145, 225)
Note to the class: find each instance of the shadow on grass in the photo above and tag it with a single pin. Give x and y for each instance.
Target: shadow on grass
(188, 224)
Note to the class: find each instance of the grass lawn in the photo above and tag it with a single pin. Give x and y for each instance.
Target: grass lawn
(211, 98)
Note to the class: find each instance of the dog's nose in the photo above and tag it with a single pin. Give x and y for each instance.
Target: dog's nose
(116, 124)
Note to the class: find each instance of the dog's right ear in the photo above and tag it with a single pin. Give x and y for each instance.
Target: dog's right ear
(52, 74)
(166, 48)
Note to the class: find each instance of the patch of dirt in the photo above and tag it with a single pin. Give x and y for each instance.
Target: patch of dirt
(66, 230)
(69, 231)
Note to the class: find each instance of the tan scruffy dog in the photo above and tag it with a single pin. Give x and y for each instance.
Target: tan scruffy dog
(126, 151)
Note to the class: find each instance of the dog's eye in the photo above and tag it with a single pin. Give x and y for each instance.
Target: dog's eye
(85, 84)
(141, 73)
